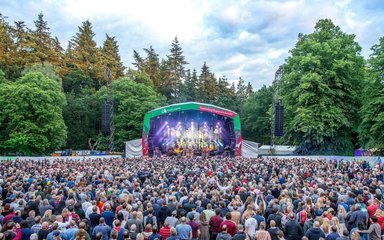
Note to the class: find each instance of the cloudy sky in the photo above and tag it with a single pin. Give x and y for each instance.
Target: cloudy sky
(248, 38)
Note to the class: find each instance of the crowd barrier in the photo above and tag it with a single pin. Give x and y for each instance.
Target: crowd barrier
(50, 158)
(371, 160)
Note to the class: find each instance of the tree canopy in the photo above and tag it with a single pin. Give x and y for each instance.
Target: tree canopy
(51, 98)
(320, 90)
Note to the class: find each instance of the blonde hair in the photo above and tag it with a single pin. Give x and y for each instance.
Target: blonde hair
(335, 222)
(341, 211)
(326, 226)
(48, 213)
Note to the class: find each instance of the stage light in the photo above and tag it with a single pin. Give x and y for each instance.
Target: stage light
(166, 122)
(192, 123)
(179, 122)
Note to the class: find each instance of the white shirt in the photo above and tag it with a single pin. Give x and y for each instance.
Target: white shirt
(250, 225)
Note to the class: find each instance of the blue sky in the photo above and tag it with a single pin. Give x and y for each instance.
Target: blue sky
(248, 38)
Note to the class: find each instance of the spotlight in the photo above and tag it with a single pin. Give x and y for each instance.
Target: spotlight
(166, 122)
(179, 122)
(205, 122)
(192, 123)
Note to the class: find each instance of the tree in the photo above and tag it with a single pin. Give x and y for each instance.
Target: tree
(176, 63)
(82, 116)
(31, 114)
(111, 57)
(138, 61)
(202, 83)
(132, 100)
(255, 116)
(372, 124)
(85, 55)
(320, 91)
(45, 68)
(152, 68)
(241, 90)
(249, 90)
(76, 80)
(45, 47)
(83, 110)
(226, 96)
(8, 62)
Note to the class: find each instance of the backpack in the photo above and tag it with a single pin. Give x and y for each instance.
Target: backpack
(150, 220)
(303, 217)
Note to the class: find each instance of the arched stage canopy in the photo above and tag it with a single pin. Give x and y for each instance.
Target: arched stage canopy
(191, 125)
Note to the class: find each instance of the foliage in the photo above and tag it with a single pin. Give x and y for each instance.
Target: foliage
(320, 91)
(255, 116)
(372, 124)
(176, 67)
(111, 57)
(82, 116)
(31, 114)
(132, 100)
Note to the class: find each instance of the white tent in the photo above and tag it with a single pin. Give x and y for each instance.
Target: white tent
(249, 149)
(133, 148)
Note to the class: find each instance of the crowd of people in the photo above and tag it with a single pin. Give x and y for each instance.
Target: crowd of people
(182, 198)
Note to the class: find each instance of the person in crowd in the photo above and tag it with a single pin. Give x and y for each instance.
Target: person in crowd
(278, 193)
(315, 233)
(184, 230)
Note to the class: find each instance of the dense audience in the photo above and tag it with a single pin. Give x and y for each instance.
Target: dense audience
(191, 198)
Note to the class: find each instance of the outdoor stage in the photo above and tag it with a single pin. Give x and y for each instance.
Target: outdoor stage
(190, 129)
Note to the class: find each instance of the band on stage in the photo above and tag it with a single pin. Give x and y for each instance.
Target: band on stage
(201, 141)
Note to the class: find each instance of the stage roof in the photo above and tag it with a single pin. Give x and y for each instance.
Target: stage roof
(191, 106)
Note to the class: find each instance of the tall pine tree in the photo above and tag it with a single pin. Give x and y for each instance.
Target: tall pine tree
(85, 55)
(152, 67)
(176, 67)
(7, 50)
(111, 57)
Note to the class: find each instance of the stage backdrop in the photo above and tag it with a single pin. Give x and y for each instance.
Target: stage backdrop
(186, 107)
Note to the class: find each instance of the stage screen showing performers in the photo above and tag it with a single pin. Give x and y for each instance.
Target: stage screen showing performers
(189, 133)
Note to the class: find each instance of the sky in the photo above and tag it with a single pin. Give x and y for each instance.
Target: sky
(236, 38)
